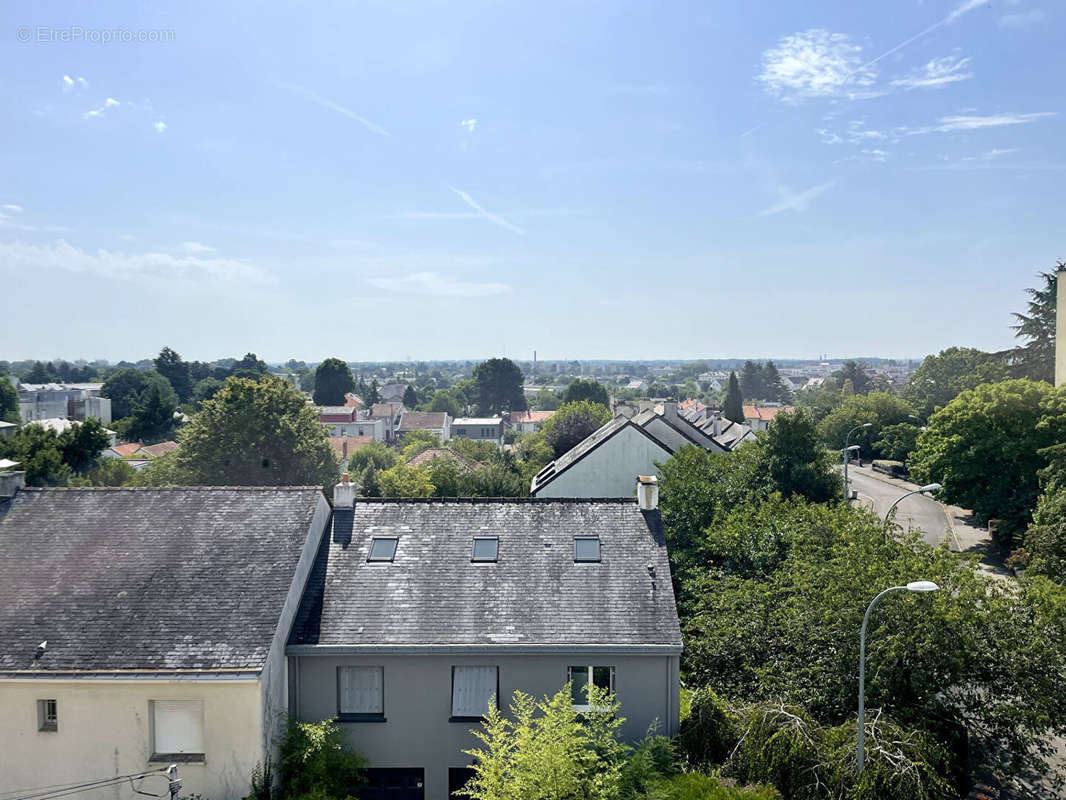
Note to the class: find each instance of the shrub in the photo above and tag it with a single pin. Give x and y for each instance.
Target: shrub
(315, 765)
(696, 786)
(709, 733)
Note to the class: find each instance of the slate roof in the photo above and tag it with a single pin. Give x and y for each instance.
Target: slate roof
(535, 594)
(147, 579)
(580, 450)
(156, 450)
(422, 420)
(385, 410)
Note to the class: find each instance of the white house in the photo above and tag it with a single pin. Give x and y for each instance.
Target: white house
(485, 429)
(78, 401)
(146, 627)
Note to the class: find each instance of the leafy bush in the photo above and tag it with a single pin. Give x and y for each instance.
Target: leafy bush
(315, 765)
(710, 732)
(894, 468)
(696, 786)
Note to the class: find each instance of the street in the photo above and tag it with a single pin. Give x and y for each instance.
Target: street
(917, 511)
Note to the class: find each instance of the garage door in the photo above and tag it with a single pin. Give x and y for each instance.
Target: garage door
(405, 783)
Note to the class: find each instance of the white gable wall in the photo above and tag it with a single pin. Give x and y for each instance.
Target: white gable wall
(611, 469)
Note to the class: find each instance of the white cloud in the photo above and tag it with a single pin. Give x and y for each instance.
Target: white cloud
(493, 218)
(469, 124)
(14, 208)
(971, 122)
(796, 202)
(816, 63)
(433, 284)
(325, 102)
(1023, 20)
(166, 267)
(110, 102)
(877, 155)
(935, 74)
(197, 248)
(160, 126)
(70, 84)
(994, 153)
(964, 8)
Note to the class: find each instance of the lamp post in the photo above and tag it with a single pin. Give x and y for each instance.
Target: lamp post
(929, 487)
(913, 586)
(847, 454)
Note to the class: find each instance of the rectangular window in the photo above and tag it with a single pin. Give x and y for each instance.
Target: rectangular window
(177, 730)
(586, 548)
(382, 548)
(602, 678)
(360, 693)
(486, 548)
(472, 690)
(47, 718)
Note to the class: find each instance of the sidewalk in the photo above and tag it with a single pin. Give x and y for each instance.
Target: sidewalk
(965, 535)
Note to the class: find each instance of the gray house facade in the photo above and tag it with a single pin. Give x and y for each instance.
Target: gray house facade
(419, 613)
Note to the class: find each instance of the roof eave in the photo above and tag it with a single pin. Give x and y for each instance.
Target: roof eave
(509, 648)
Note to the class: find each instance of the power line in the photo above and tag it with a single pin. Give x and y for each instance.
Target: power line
(63, 790)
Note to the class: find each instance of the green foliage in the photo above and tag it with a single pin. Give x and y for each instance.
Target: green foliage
(9, 401)
(254, 432)
(111, 472)
(1036, 358)
(855, 374)
(169, 364)
(39, 455)
(572, 423)
(262, 783)
(545, 750)
(898, 441)
(333, 380)
(377, 453)
(985, 448)
(733, 406)
(410, 397)
(82, 443)
(496, 480)
(710, 732)
(499, 387)
(445, 400)
(152, 416)
(1045, 540)
(533, 452)
(762, 382)
(370, 485)
(880, 409)
(941, 378)
(696, 786)
(125, 386)
(793, 461)
(581, 389)
(401, 480)
(650, 762)
(314, 763)
(372, 396)
(546, 400)
(206, 389)
(414, 442)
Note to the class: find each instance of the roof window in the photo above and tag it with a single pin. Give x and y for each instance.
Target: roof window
(586, 548)
(486, 548)
(382, 548)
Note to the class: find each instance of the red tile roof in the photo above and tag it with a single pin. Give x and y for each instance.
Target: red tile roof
(345, 446)
(765, 413)
(529, 416)
(126, 450)
(156, 450)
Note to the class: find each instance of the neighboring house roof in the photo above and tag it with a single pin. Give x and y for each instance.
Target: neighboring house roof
(528, 417)
(126, 450)
(764, 413)
(352, 399)
(390, 390)
(477, 421)
(535, 594)
(157, 450)
(423, 420)
(466, 464)
(344, 411)
(60, 424)
(345, 446)
(148, 579)
(7, 463)
(385, 410)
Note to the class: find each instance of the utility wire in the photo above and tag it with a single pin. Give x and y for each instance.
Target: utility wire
(62, 790)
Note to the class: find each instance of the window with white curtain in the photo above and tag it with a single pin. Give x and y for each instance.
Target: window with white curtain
(360, 693)
(472, 689)
(178, 728)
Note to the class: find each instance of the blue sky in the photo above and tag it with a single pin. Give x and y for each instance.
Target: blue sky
(380, 180)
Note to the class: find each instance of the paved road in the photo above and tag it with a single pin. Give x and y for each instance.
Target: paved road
(917, 511)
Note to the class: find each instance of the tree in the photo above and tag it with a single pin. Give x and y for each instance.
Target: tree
(733, 407)
(499, 387)
(879, 409)
(376, 454)
(444, 400)
(496, 480)
(793, 461)
(941, 377)
(372, 395)
(315, 761)
(111, 472)
(582, 389)
(401, 480)
(255, 432)
(82, 443)
(752, 383)
(125, 386)
(1044, 552)
(333, 380)
(249, 366)
(984, 447)
(40, 373)
(573, 423)
(855, 373)
(9, 401)
(370, 485)
(169, 364)
(152, 417)
(775, 389)
(414, 442)
(1036, 358)
(546, 399)
(39, 455)
(410, 397)
(206, 388)
(898, 441)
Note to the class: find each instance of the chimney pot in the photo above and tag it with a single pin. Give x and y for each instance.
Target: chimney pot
(344, 493)
(647, 492)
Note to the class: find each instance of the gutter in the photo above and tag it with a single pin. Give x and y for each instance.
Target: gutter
(478, 649)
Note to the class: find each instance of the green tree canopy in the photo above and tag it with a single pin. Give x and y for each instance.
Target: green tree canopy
(1036, 358)
(752, 386)
(1045, 540)
(9, 401)
(445, 400)
(853, 371)
(333, 380)
(941, 377)
(152, 416)
(880, 409)
(572, 423)
(255, 432)
(125, 386)
(169, 364)
(410, 397)
(374, 453)
(984, 447)
(733, 407)
(206, 388)
(546, 400)
(39, 454)
(581, 389)
(499, 387)
(81, 444)
(401, 480)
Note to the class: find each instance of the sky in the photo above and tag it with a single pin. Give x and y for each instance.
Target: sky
(437, 180)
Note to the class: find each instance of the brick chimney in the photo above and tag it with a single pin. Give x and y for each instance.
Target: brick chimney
(344, 493)
(647, 492)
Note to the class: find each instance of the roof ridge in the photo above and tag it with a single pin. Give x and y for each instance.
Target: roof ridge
(167, 488)
(499, 500)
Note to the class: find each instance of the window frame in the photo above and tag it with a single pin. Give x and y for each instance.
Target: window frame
(585, 707)
(599, 549)
(47, 716)
(360, 716)
(392, 556)
(496, 694)
(474, 559)
(182, 756)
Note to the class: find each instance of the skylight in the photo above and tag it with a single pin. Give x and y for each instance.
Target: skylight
(382, 548)
(486, 548)
(586, 548)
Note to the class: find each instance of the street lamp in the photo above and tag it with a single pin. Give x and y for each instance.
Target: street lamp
(929, 487)
(847, 454)
(913, 586)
